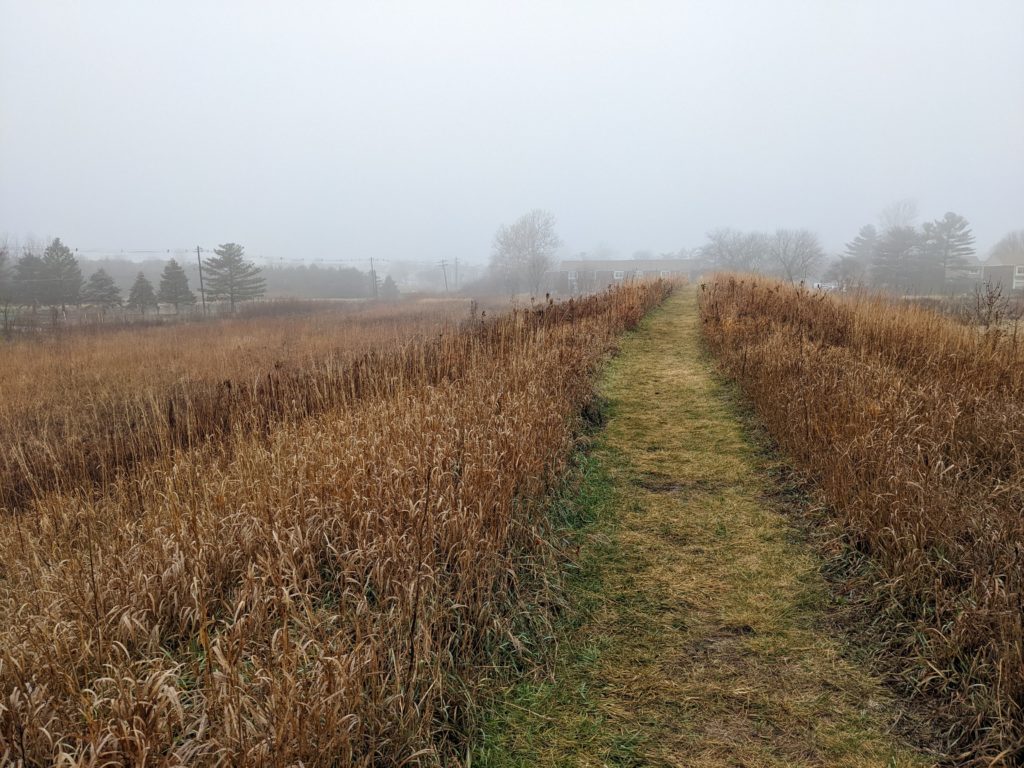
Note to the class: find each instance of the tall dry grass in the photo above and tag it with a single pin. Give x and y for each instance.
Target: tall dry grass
(914, 426)
(81, 407)
(330, 589)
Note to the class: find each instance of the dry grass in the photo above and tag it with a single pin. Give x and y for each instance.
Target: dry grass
(914, 426)
(328, 588)
(708, 640)
(81, 406)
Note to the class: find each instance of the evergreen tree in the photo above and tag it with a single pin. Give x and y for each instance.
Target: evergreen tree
(897, 264)
(101, 291)
(231, 277)
(862, 247)
(29, 281)
(6, 289)
(174, 286)
(5, 273)
(142, 296)
(949, 246)
(62, 275)
(389, 289)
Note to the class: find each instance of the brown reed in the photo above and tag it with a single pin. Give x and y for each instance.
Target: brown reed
(913, 426)
(80, 407)
(331, 588)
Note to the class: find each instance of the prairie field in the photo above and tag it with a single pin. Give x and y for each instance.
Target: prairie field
(87, 403)
(298, 540)
(912, 427)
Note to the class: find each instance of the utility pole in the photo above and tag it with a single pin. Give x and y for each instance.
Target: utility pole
(373, 277)
(202, 289)
(456, 273)
(444, 271)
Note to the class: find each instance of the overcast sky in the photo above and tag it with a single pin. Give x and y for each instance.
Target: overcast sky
(412, 130)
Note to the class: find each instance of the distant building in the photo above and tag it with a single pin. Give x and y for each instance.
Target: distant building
(588, 275)
(1007, 271)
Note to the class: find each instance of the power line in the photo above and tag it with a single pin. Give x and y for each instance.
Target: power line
(37, 249)
(123, 250)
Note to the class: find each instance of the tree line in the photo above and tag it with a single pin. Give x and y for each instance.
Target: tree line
(895, 255)
(53, 278)
(900, 257)
(792, 254)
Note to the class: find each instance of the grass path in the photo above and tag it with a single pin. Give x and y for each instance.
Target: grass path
(703, 637)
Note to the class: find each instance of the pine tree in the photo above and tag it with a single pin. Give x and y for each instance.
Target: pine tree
(63, 277)
(6, 289)
(174, 286)
(142, 295)
(389, 289)
(5, 273)
(897, 264)
(949, 244)
(29, 280)
(863, 246)
(231, 277)
(100, 290)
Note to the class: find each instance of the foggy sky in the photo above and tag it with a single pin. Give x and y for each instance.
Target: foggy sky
(412, 130)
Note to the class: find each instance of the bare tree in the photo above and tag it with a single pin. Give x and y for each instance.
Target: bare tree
(795, 253)
(902, 213)
(736, 251)
(989, 309)
(524, 251)
(1009, 248)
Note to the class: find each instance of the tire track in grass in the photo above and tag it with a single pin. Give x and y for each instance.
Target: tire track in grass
(701, 633)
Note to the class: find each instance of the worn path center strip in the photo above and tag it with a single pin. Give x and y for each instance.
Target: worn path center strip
(706, 641)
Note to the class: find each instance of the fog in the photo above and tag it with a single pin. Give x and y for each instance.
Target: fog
(410, 131)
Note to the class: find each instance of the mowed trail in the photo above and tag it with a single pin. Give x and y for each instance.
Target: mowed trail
(708, 642)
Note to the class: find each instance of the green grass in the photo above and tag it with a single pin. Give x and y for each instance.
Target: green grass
(535, 722)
